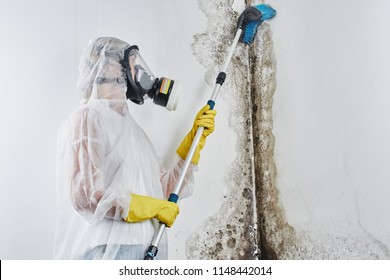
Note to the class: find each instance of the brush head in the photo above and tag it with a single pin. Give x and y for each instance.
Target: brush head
(250, 20)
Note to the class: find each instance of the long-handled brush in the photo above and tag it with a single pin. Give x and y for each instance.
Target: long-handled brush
(247, 25)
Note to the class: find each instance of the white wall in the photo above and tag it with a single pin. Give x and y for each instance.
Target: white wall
(38, 74)
(332, 125)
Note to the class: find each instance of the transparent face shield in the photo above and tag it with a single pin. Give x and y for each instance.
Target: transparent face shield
(142, 84)
(140, 72)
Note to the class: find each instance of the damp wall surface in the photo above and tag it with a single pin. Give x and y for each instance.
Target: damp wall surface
(332, 130)
(314, 121)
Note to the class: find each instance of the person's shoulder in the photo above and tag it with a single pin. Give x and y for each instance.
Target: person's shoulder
(86, 112)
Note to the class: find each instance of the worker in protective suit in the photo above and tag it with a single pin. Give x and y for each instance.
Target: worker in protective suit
(113, 188)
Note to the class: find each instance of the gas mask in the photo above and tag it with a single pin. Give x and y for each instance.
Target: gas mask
(142, 84)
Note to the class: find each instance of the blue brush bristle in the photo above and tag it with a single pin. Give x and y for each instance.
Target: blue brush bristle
(250, 31)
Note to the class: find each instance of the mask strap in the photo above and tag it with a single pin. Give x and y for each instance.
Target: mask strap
(132, 92)
(132, 47)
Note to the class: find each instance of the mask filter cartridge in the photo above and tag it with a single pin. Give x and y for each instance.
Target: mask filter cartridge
(167, 93)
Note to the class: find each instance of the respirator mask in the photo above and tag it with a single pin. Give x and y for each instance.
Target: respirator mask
(142, 84)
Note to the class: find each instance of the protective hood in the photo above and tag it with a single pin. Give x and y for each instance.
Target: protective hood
(101, 71)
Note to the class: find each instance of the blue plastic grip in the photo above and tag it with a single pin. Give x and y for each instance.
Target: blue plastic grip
(211, 103)
(173, 197)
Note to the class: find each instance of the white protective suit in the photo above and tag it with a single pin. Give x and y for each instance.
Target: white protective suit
(103, 157)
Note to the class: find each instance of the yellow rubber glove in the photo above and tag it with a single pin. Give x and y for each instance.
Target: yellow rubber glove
(145, 207)
(204, 118)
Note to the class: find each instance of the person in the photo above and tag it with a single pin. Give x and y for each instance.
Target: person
(112, 187)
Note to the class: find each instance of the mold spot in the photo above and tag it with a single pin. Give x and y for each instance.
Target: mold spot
(231, 243)
(247, 193)
(218, 247)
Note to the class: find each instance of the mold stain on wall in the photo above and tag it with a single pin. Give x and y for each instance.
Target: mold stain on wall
(273, 230)
(231, 233)
(250, 223)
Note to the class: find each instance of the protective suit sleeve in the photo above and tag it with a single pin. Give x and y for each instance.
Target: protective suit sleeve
(170, 176)
(83, 161)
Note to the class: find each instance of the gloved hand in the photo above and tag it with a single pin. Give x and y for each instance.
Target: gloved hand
(204, 118)
(145, 207)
